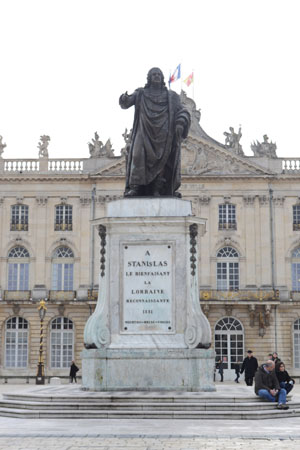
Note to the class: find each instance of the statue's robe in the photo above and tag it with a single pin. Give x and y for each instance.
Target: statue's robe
(154, 150)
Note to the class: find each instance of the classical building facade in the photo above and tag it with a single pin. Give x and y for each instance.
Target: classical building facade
(249, 264)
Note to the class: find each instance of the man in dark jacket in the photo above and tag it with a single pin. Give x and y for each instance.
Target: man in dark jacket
(73, 371)
(267, 385)
(249, 366)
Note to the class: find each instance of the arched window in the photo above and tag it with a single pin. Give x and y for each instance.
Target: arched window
(18, 269)
(227, 269)
(63, 217)
(229, 341)
(16, 342)
(62, 269)
(19, 218)
(296, 270)
(297, 344)
(61, 341)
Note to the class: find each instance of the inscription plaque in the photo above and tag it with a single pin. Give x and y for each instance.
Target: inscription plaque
(147, 288)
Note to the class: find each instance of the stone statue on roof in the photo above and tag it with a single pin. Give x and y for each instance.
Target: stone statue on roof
(2, 146)
(265, 148)
(232, 141)
(43, 146)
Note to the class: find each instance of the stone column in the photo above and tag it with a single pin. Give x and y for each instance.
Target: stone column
(265, 241)
(250, 238)
(39, 290)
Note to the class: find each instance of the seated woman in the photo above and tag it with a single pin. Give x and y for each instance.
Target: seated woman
(283, 377)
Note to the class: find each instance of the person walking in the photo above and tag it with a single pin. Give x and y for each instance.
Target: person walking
(249, 366)
(237, 372)
(221, 369)
(267, 385)
(73, 371)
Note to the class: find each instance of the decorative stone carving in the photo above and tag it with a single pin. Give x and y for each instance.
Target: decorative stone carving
(19, 200)
(205, 309)
(252, 315)
(268, 309)
(102, 234)
(61, 310)
(249, 200)
(1, 201)
(228, 310)
(204, 200)
(98, 150)
(63, 200)
(102, 199)
(262, 327)
(232, 141)
(278, 200)
(16, 309)
(128, 139)
(2, 146)
(227, 198)
(264, 149)
(263, 200)
(85, 200)
(43, 146)
(193, 250)
(41, 200)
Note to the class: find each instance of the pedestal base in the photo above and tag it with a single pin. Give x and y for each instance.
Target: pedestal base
(148, 369)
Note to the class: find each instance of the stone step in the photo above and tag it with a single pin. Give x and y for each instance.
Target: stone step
(125, 398)
(146, 414)
(132, 406)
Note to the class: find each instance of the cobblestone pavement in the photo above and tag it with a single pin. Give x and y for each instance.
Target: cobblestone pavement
(144, 444)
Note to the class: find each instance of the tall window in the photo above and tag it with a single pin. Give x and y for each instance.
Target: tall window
(229, 341)
(296, 217)
(227, 217)
(18, 269)
(227, 269)
(296, 270)
(297, 344)
(61, 341)
(63, 218)
(62, 269)
(16, 342)
(19, 218)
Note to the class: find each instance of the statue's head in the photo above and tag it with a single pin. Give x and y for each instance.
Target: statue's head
(155, 77)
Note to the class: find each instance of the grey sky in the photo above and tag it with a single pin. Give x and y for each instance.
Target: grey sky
(64, 64)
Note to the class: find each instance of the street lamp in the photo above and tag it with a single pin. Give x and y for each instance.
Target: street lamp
(40, 377)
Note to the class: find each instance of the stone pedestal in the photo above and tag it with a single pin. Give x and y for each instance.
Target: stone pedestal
(148, 330)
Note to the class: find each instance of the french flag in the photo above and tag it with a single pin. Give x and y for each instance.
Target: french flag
(176, 75)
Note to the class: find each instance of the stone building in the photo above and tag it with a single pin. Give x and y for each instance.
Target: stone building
(249, 268)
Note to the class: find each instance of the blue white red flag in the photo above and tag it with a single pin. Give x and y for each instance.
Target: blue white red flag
(176, 75)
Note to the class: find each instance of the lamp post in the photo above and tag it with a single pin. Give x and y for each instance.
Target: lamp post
(40, 377)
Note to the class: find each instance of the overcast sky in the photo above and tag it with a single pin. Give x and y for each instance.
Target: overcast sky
(64, 64)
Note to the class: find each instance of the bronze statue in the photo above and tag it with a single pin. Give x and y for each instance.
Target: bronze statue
(160, 124)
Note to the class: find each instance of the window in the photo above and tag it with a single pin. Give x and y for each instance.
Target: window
(19, 218)
(63, 218)
(296, 270)
(297, 344)
(296, 217)
(61, 341)
(18, 269)
(227, 217)
(16, 342)
(62, 269)
(227, 269)
(229, 341)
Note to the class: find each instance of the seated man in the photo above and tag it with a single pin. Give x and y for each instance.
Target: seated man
(267, 385)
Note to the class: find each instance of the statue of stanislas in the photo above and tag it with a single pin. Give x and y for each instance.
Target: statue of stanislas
(160, 124)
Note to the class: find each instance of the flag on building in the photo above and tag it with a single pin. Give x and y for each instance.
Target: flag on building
(189, 80)
(176, 75)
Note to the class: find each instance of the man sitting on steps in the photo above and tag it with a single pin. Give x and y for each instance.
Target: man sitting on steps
(267, 385)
